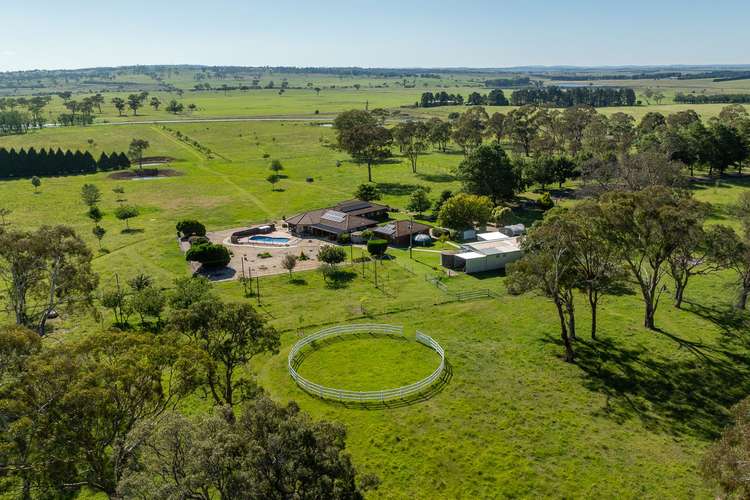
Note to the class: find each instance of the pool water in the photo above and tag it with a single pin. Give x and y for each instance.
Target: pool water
(269, 240)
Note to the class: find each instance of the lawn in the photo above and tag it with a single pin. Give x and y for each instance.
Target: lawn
(630, 420)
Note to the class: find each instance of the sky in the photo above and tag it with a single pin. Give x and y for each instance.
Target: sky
(51, 34)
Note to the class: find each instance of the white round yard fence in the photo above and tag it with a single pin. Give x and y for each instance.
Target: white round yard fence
(294, 360)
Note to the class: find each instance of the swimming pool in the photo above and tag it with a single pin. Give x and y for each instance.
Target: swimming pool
(269, 240)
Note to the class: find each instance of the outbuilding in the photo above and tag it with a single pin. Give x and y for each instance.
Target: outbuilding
(401, 232)
(483, 256)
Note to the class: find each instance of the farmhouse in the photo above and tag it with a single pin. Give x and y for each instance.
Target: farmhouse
(343, 218)
(400, 233)
(483, 255)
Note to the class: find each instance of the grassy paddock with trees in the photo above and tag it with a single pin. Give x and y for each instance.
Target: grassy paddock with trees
(631, 418)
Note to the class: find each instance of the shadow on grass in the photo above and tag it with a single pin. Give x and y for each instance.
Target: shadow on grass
(340, 279)
(132, 231)
(686, 395)
(436, 177)
(396, 188)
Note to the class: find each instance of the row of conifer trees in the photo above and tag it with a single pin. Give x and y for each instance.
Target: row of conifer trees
(49, 162)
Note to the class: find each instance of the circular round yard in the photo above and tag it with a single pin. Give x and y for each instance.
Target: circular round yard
(368, 362)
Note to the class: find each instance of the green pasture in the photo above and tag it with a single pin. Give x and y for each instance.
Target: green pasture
(630, 420)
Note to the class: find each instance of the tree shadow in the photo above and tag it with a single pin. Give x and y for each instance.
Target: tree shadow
(689, 395)
(298, 281)
(436, 177)
(340, 279)
(132, 230)
(396, 188)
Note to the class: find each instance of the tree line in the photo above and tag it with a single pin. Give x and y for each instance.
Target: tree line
(578, 96)
(28, 163)
(711, 98)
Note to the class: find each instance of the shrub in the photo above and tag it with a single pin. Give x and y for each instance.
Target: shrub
(209, 255)
(191, 227)
(545, 202)
(344, 238)
(264, 255)
(377, 248)
(367, 235)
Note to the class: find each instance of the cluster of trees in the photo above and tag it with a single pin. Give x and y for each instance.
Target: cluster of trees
(654, 237)
(79, 112)
(711, 98)
(429, 100)
(134, 102)
(495, 97)
(100, 413)
(28, 163)
(16, 121)
(577, 96)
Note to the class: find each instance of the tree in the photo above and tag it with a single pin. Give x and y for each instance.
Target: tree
(119, 104)
(273, 179)
(135, 101)
(44, 272)
(419, 201)
(190, 227)
(36, 182)
(646, 228)
(331, 255)
(98, 99)
(99, 232)
(496, 126)
(440, 133)
(125, 213)
(136, 149)
(175, 107)
(276, 166)
(68, 424)
(149, 301)
(90, 195)
(360, 134)
(596, 262)
(574, 121)
(377, 248)
(463, 211)
(489, 172)
(469, 129)
(266, 451)
(727, 462)
(367, 192)
(650, 168)
(155, 103)
(289, 262)
(229, 336)
(412, 138)
(188, 290)
(521, 127)
(699, 252)
(548, 268)
(500, 215)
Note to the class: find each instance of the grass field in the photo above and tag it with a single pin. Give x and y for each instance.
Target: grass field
(630, 420)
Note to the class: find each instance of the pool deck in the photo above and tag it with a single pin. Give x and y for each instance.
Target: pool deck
(250, 255)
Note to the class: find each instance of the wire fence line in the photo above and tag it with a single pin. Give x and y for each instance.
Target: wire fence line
(478, 293)
(293, 362)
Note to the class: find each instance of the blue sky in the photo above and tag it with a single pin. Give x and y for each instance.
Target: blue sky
(386, 33)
